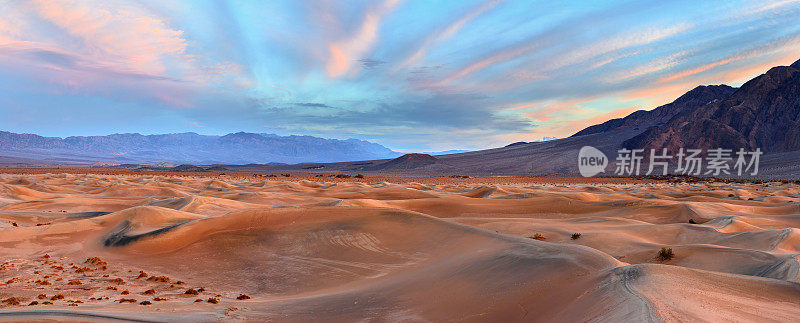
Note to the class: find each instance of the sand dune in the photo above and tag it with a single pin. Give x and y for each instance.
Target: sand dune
(421, 251)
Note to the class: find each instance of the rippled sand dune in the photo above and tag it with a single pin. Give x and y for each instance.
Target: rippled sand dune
(205, 248)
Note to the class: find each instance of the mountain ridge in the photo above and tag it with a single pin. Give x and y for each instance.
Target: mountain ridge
(700, 95)
(190, 147)
(763, 113)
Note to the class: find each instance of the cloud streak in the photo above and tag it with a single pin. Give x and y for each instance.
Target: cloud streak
(344, 52)
(425, 75)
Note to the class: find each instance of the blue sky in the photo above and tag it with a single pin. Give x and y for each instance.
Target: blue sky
(411, 75)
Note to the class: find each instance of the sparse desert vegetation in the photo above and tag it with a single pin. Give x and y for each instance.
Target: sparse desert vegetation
(382, 227)
(537, 236)
(665, 254)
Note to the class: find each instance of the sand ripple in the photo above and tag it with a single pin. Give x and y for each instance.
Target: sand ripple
(239, 248)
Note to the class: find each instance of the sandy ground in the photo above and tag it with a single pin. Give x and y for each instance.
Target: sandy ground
(144, 247)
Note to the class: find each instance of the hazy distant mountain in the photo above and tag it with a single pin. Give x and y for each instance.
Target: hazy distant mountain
(405, 162)
(446, 152)
(235, 148)
(522, 143)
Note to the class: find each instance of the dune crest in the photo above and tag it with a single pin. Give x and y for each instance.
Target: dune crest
(164, 248)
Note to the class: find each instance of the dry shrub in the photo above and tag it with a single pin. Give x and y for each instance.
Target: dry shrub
(537, 236)
(95, 261)
(665, 254)
(162, 279)
(11, 301)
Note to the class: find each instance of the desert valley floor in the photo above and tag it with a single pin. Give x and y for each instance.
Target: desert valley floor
(206, 248)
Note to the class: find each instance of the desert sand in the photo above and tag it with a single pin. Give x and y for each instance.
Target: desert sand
(163, 247)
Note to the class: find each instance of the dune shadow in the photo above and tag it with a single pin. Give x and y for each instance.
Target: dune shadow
(56, 315)
(119, 237)
(86, 215)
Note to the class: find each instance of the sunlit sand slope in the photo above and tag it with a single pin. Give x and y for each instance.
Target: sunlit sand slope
(155, 248)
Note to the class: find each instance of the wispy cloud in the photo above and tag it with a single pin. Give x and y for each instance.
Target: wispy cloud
(626, 40)
(475, 72)
(654, 66)
(546, 113)
(315, 105)
(781, 44)
(368, 63)
(344, 52)
(447, 32)
(128, 39)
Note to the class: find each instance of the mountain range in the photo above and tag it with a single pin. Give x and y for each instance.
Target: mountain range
(234, 148)
(763, 113)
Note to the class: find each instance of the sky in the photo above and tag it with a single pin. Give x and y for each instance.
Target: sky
(411, 75)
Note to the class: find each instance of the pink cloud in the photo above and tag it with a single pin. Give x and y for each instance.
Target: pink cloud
(343, 53)
(565, 128)
(192, 124)
(523, 106)
(747, 72)
(699, 69)
(546, 114)
(109, 48)
(126, 38)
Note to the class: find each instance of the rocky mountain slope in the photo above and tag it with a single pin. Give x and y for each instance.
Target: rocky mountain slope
(699, 96)
(763, 114)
